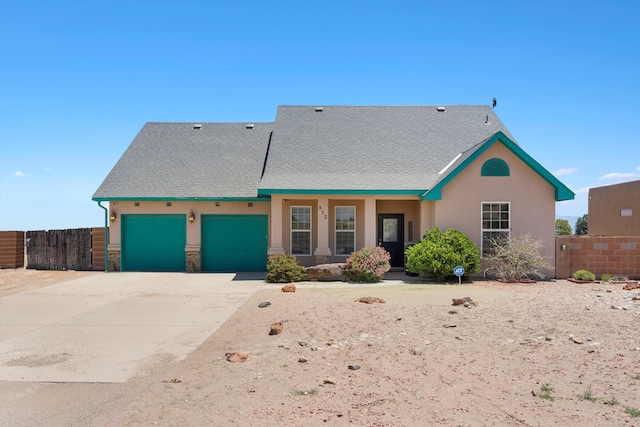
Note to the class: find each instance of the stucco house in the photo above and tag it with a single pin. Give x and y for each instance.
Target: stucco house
(320, 183)
(614, 210)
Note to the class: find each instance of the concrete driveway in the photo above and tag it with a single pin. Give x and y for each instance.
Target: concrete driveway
(110, 327)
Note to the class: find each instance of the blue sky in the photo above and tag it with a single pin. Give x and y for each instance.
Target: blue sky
(78, 80)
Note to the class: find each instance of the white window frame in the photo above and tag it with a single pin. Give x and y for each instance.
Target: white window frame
(292, 230)
(336, 231)
(500, 229)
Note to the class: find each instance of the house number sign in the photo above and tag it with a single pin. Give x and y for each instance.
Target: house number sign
(322, 212)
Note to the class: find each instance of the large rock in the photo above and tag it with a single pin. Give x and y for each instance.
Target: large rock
(325, 271)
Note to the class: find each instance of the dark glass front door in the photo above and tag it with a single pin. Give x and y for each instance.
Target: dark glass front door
(391, 237)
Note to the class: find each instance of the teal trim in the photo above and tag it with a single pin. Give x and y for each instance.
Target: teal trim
(178, 199)
(269, 191)
(562, 191)
(106, 237)
(495, 167)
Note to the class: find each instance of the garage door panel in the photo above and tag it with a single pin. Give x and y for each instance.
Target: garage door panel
(153, 242)
(234, 243)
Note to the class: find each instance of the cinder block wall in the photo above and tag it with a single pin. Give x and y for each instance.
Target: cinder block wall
(615, 255)
(11, 249)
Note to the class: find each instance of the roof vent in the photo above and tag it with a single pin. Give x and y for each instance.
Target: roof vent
(250, 125)
(486, 121)
(197, 126)
(319, 109)
(441, 109)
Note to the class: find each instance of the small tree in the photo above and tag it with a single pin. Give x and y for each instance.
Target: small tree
(582, 225)
(438, 253)
(563, 228)
(517, 257)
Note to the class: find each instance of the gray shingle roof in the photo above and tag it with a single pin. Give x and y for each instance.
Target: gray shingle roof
(174, 160)
(371, 148)
(339, 148)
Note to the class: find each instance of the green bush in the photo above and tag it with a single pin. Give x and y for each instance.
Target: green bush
(584, 275)
(284, 269)
(606, 277)
(367, 265)
(438, 253)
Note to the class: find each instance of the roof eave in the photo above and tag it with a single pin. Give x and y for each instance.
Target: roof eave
(562, 192)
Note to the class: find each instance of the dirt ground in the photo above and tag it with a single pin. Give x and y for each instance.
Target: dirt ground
(549, 353)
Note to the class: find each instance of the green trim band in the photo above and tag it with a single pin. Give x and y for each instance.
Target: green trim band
(269, 191)
(185, 199)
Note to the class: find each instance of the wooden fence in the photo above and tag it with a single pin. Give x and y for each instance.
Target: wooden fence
(72, 249)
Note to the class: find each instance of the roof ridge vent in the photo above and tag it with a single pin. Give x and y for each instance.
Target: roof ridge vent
(319, 109)
(441, 109)
(250, 126)
(197, 126)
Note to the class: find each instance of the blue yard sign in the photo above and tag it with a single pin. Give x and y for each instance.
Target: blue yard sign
(459, 271)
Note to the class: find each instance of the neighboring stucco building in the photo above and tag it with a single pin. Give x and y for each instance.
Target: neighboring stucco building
(614, 210)
(320, 183)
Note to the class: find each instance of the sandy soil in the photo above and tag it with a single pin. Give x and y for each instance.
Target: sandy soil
(21, 279)
(525, 355)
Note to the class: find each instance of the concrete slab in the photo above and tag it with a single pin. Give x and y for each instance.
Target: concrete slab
(110, 327)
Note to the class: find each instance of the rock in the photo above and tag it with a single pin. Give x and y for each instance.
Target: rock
(330, 380)
(461, 301)
(415, 352)
(453, 312)
(303, 343)
(289, 288)
(467, 304)
(236, 357)
(575, 340)
(448, 326)
(631, 285)
(354, 367)
(276, 328)
(325, 271)
(264, 304)
(314, 348)
(370, 300)
(303, 360)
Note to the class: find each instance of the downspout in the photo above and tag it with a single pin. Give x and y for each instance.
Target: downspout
(106, 237)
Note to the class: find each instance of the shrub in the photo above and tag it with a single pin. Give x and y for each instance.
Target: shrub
(438, 253)
(367, 265)
(606, 277)
(284, 269)
(584, 275)
(517, 257)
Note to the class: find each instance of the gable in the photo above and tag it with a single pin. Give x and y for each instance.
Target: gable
(562, 192)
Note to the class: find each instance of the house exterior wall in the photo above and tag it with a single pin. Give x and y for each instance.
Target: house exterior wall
(323, 235)
(615, 255)
(193, 238)
(605, 209)
(531, 199)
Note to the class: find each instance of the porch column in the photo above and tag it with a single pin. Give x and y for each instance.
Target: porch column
(322, 249)
(275, 240)
(370, 222)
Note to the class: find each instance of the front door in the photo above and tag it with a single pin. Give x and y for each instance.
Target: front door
(391, 237)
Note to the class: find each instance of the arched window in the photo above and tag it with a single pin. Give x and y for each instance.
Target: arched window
(495, 167)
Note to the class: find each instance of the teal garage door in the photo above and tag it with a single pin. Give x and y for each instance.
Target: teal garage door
(233, 243)
(153, 242)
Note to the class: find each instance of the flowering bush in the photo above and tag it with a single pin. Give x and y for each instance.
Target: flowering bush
(368, 265)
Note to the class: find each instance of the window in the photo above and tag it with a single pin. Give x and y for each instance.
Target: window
(495, 223)
(300, 230)
(345, 230)
(495, 167)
